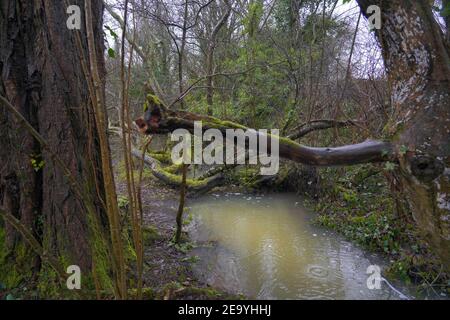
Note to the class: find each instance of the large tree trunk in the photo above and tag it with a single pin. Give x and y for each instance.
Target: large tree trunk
(416, 57)
(41, 75)
(210, 58)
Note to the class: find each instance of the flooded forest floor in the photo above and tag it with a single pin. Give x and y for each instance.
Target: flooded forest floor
(167, 266)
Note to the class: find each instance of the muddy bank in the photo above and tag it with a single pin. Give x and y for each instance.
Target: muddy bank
(167, 267)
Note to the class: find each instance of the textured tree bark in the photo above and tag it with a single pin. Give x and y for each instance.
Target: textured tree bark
(416, 57)
(41, 75)
(195, 187)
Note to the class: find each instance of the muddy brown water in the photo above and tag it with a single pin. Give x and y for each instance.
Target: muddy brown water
(266, 247)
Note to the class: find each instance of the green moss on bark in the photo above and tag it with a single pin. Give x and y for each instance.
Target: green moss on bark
(163, 157)
(101, 273)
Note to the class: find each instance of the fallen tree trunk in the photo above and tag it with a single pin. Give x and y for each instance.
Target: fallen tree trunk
(217, 170)
(194, 186)
(316, 125)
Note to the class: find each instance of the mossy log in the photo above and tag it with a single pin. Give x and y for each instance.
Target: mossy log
(418, 127)
(315, 125)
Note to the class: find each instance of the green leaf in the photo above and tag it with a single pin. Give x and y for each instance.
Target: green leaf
(111, 53)
(10, 297)
(37, 163)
